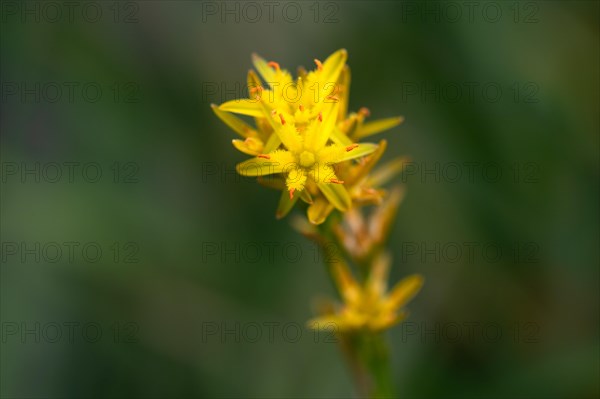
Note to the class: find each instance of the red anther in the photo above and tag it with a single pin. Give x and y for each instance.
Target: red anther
(265, 156)
(364, 111)
(351, 147)
(273, 113)
(301, 108)
(292, 193)
(258, 91)
(319, 64)
(335, 99)
(282, 120)
(336, 181)
(274, 65)
(320, 117)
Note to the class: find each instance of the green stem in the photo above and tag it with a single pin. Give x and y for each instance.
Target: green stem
(366, 352)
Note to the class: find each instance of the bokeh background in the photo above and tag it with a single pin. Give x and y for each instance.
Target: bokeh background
(188, 249)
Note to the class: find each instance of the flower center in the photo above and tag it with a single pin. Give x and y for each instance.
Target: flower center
(307, 159)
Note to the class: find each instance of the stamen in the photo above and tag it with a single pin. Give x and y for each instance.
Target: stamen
(301, 107)
(320, 117)
(273, 65)
(351, 147)
(258, 90)
(273, 113)
(282, 120)
(265, 156)
(336, 181)
(364, 111)
(335, 99)
(319, 64)
(292, 193)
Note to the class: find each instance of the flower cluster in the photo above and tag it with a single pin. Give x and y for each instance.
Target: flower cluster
(306, 144)
(305, 139)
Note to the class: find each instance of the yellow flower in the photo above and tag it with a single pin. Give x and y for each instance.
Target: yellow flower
(301, 100)
(304, 134)
(368, 306)
(307, 156)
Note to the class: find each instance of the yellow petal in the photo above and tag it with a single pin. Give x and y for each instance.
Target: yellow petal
(272, 144)
(385, 214)
(260, 167)
(286, 204)
(263, 68)
(404, 291)
(386, 172)
(363, 149)
(344, 91)
(377, 126)
(322, 173)
(386, 321)
(345, 282)
(235, 123)
(281, 124)
(333, 65)
(250, 146)
(331, 324)
(338, 137)
(306, 197)
(254, 84)
(363, 169)
(337, 195)
(319, 210)
(377, 280)
(296, 179)
(243, 106)
(318, 134)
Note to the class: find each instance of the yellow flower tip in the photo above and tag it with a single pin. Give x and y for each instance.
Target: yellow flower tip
(274, 65)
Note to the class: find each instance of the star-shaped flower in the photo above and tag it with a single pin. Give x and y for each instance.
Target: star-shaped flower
(368, 306)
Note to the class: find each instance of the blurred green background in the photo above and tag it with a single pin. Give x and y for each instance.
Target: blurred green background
(188, 249)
